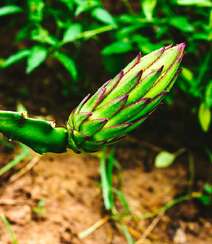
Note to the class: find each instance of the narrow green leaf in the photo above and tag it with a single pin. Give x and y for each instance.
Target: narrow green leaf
(204, 117)
(208, 188)
(43, 36)
(18, 158)
(68, 3)
(10, 9)
(36, 8)
(148, 7)
(181, 23)
(72, 33)
(187, 74)
(164, 159)
(127, 234)
(199, 3)
(103, 15)
(110, 166)
(85, 6)
(208, 94)
(68, 63)
(9, 229)
(122, 199)
(37, 56)
(117, 48)
(106, 187)
(14, 58)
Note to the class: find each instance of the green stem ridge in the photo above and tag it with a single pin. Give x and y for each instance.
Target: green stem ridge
(38, 134)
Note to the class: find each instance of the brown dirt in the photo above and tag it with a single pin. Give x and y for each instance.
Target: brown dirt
(69, 184)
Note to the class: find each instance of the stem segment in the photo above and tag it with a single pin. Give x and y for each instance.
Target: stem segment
(38, 134)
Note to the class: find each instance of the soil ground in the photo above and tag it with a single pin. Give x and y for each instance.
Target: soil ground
(69, 185)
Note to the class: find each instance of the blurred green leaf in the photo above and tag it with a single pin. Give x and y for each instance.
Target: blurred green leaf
(94, 32)
(40, 209)
(10, 9)
(208, 188)
(164, 159)
(84, 6)
(208, 95)
(117, 48)
(68, 63)
(23, 33)
(37, 56)
(204, 117)
(127, 234)
(187, 74)
(132, 19)
(199, 3)
(103, 15)
(144, 43)
(201, 36)
(148, 7)
(21, 108)
(181, 23)
(68, 3)
(72, 33)
(127, 30)
(16, 57)
(206, 196)
(9, 229)
(36, 8)
(105, 181)
(121, 197)
(205, 199)
(42, 35)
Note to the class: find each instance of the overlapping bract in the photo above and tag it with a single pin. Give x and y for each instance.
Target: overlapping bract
(125, 101)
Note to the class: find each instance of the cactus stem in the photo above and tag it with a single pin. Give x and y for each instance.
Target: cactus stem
(38, 134)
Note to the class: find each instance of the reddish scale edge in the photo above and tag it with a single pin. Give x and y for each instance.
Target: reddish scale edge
(120, 76)
(115, 100)
(128, 124)
(85, 99)
(152, 72)
(122, 124)
(77, 109)
(158, 71)
(121, 73)
(173, 78)
(177, 60)
(101, 96)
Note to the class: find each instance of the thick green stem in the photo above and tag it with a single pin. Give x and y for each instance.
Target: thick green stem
(38, 134)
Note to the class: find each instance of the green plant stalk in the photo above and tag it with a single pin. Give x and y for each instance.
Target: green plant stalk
(38, 134)
(9, 229)
(18, 158)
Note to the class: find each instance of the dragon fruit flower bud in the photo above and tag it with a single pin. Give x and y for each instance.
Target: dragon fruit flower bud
(125, 101)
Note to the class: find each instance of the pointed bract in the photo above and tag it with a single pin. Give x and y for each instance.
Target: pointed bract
(124, 102)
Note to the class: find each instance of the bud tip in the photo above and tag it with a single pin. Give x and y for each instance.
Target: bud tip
(181, 46)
